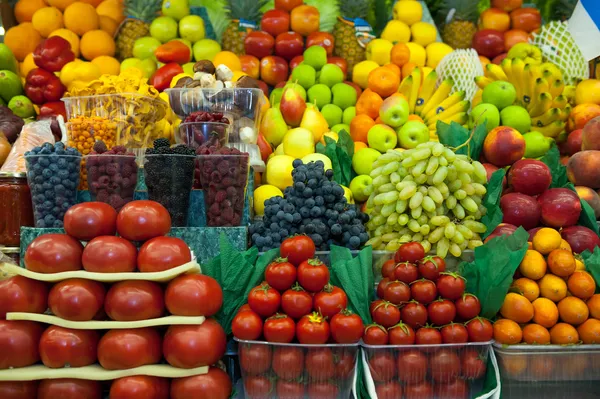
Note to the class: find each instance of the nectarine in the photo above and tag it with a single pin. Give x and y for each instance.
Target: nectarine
(503, 146)
(590, 136)
(583, 169)
(581, 115)
(591, 197)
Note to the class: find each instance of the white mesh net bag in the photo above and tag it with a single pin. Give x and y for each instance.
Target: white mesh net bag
(462, 66)
(559, 48)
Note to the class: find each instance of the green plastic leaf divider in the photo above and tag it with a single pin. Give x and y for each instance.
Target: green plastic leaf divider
(340, 153)
(491, 201)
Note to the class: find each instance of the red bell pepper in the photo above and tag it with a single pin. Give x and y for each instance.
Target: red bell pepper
(161, 79)
(42, 86)
(53, 108)
(53, 53)
(173, 51)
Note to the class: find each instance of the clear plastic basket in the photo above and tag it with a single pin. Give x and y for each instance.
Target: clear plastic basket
(195, 134)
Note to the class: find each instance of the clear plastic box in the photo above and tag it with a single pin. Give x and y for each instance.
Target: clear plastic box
(317, 371)
(194, 134)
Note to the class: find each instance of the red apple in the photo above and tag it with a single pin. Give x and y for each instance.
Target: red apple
(264, 87)
(499, 58)
(296, 61)
(520, 210)
(507, 5)
(273, 70)
(489, 43)
(529, 176)
(323, 39)
(527, 19)
(259, 44)
(339, 61)
(533, 231)
(287, 5)
(573, 143)
(356, 87)
(580, 238)
(289, 45)
(494, 18)
(250, 65)
(275, 22)
(501, 230)
(561, 207)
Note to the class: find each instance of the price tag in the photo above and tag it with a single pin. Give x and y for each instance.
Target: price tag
(246, 26)
(363, 31)
(584, 26)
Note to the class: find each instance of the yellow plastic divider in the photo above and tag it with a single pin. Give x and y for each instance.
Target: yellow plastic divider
(105, 325)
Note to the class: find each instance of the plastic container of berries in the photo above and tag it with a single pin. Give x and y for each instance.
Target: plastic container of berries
(195, 134)
(112, 177)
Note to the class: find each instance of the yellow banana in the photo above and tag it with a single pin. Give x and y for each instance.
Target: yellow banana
(552, 130)
(459, 107)
(519, 78)
(565, 112)
(482, 81)
(540, 105)
(546, 118)
(569, 93)
(426, 91)
(534, 72)
(506, 66)
(560, 102)
(527, 86)
(556, 87)
(414, 92)
(549, 69)
(442, 92)
(541, 86)
(406, 86)
(459, 117)
(445, 104)
(495, 72)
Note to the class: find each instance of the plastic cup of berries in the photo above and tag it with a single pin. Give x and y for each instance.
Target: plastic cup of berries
(195, 134)
(53, 178)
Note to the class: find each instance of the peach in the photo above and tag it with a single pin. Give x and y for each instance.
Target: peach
(561, 207)
(494, 18)
(583, 169)
(503, 146)
(573, 143)
(591, 197)
(581, 115)
(513, 37)
(590, 136)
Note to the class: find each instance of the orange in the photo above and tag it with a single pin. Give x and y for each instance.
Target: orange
(60, 4)
(546, 240)
(22, 40)
(228, 58)
(369, 103)
(545, 312)
(573, 310)
(507, 332)
(70, 37)
(96, 43)
(536, 334)
(108, 25)
(112, 9)
(413, 117)
(400, 54)
(553, 287)
(528, 288)
(359, 145)
(589, 331)
(46, 20)
(359, 127)
(581, 285)
(533, 265)
(93, 3)
(81, 18)
(514, 365)
(24, 9)
(565, 245)
(594, 306)
(407, 69)
(517, 308)
(378, 121)
(561, 262)
(394, 68)
(563, 334)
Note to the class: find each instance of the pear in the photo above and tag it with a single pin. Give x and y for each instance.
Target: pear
(314, 121)
(292, 107)
(273, 127)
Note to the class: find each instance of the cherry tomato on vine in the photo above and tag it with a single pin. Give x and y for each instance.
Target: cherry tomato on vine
(264, 300)
(312, 329)
(473, 364)
(297, 249)
(374, 304)
(428, 336)
(480, 330)
(456, 389)
(296, 302)
(409, 252)
(386, 314)
(247, 325)
(388, 267)
(423, 291)
(401, 334)
(412, 366)
(65, 347)
(444, 365)
(139, 387)
(375, 334)
(330, 301)
(76, 299)
(467, 306)
(319, 364)
(322, 390)
(69, 388)
(280, 274)
(290, 389)
(441, 312)
(21, 294)
(382, 366)
(255, 359)
(215, 384)
(134, 300)
(129, 348)
(396, 292)
(451, 286)
(406, 272)
(344, 362)
(288, 362)
(258, 387)
(430, 267)
(19, 340)
(346, 327)
(414, 314)
(313, 275)
(279, 328)
(422, 390)
(381, 287)
(194, 295)
(189, 346)
(388, 390)
(454, 334)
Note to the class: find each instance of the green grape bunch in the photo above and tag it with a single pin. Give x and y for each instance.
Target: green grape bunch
(427, 194)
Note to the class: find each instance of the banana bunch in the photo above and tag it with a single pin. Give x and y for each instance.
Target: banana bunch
(540, 89)
(434, 104)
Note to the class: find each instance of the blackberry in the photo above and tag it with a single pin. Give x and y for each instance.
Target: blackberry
(162, 142)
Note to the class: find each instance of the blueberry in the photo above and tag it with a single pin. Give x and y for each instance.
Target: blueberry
(63, 174)
(297, 217)
(56, 210)
(60, 189)
(364, 237)
(40, 223)
(39, 179)
(47, 205)
(72, 151)
(45, 151)
(60, 145)
(55, 180)
(47, 173)
(284, 233)
(58, 224)
(44, 161)
(276, 237)
(268, 241)
(49, 219)
(309, 203)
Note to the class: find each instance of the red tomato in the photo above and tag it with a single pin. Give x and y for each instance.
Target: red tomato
(322, 390)
(480, 330)
(346, 327)
(297, 249)
(319, 364)
(409, 252)
(296, 302)
(65, 347)
(279, 328)
(215, 384)
(430, 267)
(312, 329)
(444, 365)
(290, 389)
(472, 364)
(288, 362)
(388, 390)
(428, 336)
(374, 304)
(386, 314)
(330, 301)
(247, 325)
(454, 334)
(53, 253)
(387, 269)
(422, 390)
(88, 220)
(345, 360)
(441, 312)
(280, 274)
(194, 295)
(109, 254)
(375, 334)
(382, 366)
(129, 348)
(19, 341)
(18, 389)
(142, 220)
(467, 306)
(451, 286)
(258, 387)
(134, 300)
(406, 272)
(412, 366)
(423, 291)
(69, 388)
(383, 283)
(76, 299)
(455, 389)
(401, 334)
(21, 294)
(255, 359)
(243, 308)
(139, 387)
(264, 300)
(396, 292)
(414, 314)
(163, 253)
(313, 275)
(194, 345)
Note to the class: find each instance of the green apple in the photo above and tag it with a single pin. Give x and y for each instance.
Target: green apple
(339, 127)
(186, 42)
(176, 9)
(362, 161)
(331, 75)
(275, 97)
(527, 52)
(332, 114)
(536, 144)
(297, 88)
(361, 187)
(164, 29)
(516, 117)
(413, 133)
(191, 27)
(205, 49)
(319, 94)
(485, 113)
(304, 75)
(344, 95)
(144, 47)
(129, 63)
(316, 57)
(349, 114)
(188, 68)
(394, 111)
(382, 137)
(148, 66)
(499, 93)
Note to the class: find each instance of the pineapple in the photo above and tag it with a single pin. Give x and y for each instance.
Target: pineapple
(140, 13)
(248, 10)
(460, 27)
(346, 44)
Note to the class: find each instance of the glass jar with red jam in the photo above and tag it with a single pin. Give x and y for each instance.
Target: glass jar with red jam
(15, 207)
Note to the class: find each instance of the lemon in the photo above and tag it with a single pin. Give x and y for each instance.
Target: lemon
(435, 52)
(298, 142)
(423, 33)
(361, 71)
(396, 32)
(318, 157)
(263, 193)
(379, 50)
(418, 55)
(409, 12)
(279, 171)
